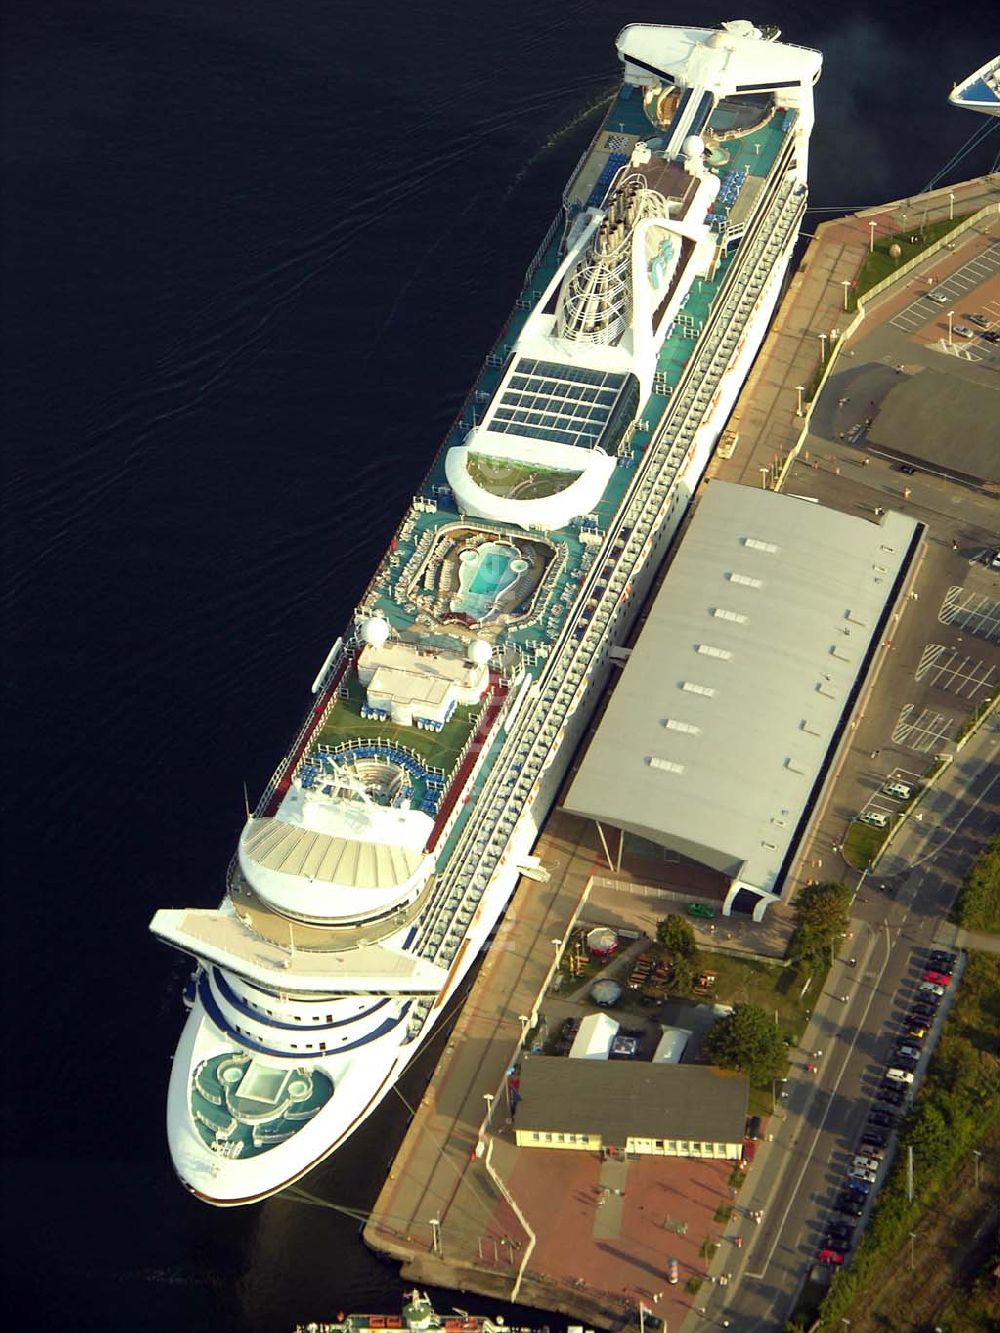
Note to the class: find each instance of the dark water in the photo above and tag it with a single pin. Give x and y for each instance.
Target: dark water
(253, 253)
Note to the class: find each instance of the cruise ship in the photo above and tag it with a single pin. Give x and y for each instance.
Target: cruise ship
(385, 848)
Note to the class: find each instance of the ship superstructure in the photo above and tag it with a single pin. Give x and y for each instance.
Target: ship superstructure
(385, 848)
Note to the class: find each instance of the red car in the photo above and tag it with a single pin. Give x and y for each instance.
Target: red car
(830, 1257)
(938, 978)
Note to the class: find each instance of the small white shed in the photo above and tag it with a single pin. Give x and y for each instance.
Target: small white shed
(593, 1041)
(670, 1047)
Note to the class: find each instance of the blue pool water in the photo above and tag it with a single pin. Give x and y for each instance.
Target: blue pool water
(484, 575)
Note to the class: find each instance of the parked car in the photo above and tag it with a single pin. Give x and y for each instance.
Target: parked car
(930, 988)
(944, 962)
(881, 1117)
(855, 1185)
(874, 1152)
(907, 1062)
(915, 1027)
(938, 978)
(840, 1234)
(753, 1127)
(907, 1050)
(905, 468)
(925, 1005)
(981, 320)
(891, 1093)
(829, 1256)
(899, 1075)
(993, 336)
(940, 297)
(848, 1204)
(963, 331)
(874, 1140)
(902, 791)
(875, 818)
(864, 1173)
(864, 1162)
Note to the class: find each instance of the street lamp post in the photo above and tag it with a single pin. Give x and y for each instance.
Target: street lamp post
(822, 348)
(871, 237)
(763, 478)
(436, 1236)
(800, 390)
(846, 284)
(488, 1099)
(977, 1155)
(951, 316)
(951, 205)
(525, 1021)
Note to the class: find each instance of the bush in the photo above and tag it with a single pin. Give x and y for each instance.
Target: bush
(978, 905)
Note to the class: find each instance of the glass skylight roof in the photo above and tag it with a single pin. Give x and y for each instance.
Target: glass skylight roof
(546, 401)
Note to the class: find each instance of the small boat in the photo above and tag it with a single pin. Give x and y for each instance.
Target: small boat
(419, 1315)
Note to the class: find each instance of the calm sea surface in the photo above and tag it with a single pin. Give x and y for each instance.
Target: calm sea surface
(253, 253)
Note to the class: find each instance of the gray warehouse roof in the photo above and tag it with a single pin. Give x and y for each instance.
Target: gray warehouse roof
(622, 1098)
(719, 727)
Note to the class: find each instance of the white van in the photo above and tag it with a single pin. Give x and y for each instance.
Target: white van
(874, 817)
(902, 791)
(899, 1075)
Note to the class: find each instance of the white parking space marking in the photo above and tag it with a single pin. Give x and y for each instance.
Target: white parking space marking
(923, 733)
(971, 612)
(955, 287)
(949, 669)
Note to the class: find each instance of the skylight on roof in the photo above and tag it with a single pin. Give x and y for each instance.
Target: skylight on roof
(746, 581)
(709, 650)
(735, 616)
(675, 724)
(665, 765)
(757, 545)
(693, 687)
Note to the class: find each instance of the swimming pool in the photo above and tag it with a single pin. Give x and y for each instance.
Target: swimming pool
(485, 573)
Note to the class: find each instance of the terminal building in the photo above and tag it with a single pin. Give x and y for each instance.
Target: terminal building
(731, 709)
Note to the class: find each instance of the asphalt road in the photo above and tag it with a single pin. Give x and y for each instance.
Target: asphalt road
(797, 1175)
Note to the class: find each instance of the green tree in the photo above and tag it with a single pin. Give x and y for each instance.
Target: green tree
(682, 975)
(675, 934)
(823, 915)
(748, 1040)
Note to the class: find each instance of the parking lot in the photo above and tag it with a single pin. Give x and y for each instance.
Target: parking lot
(859, 1164)
(955, 672)
(971, 612)
(926, 731)
(899, 786)
(954, 291)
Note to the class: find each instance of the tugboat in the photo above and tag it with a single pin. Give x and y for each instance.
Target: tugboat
(418, 1315)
